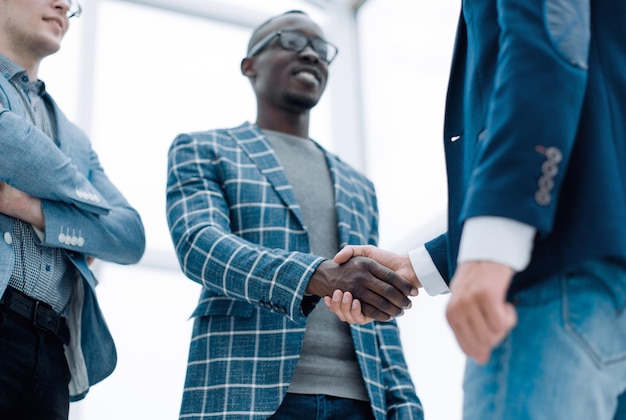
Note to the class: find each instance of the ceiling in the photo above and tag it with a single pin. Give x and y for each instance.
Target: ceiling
(248, 13)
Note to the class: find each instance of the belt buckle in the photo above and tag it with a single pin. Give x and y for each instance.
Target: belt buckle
(46, 318)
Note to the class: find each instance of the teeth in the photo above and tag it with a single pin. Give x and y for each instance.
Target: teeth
(307, 75)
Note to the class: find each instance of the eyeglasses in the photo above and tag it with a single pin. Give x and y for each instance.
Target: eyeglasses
(74, 9)
(295, 41)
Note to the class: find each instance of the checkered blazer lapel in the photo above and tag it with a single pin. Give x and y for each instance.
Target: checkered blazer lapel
(255, 145)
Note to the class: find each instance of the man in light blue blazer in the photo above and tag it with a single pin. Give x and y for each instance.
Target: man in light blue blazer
(536, 244)
(255, 214)
(58, 211)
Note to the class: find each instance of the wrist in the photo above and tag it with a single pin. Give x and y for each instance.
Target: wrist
(319, 283)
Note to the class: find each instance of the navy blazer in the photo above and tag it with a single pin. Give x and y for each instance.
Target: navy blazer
(239, 232)
(535, 128)
(85, 215)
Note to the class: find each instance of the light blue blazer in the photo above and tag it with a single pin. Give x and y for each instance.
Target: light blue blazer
(239, 232)
(85, 215)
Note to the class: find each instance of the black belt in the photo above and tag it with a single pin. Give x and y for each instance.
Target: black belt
(37, 312)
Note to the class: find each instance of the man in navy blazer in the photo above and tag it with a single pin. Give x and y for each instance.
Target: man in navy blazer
(256, 214)
(58, 211)
(536, 244)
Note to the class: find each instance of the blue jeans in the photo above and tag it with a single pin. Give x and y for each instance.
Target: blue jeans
(565, 359)
(322, 407)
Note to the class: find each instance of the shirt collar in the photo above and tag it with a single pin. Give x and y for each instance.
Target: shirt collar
(17, 74)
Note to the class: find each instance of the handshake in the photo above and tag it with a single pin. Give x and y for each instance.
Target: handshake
(365, 283)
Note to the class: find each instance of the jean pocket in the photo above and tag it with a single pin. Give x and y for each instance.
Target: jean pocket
(591, 315)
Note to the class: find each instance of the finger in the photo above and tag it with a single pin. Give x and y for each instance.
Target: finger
(330, 305)
(500, 321)
(374, 313)
(393, 287)
(334, 304)
(496, 321)
(470, 328)
(351, 251)
(344, 254)
(357, 313)
(346, 307)
(351, 310)
(501, 318)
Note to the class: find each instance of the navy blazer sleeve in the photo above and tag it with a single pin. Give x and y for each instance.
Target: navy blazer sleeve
(533, 110)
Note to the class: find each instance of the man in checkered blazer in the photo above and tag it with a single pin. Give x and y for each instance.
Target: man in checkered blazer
(256, 213)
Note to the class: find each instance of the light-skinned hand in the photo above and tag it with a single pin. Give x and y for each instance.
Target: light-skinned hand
(478, 312)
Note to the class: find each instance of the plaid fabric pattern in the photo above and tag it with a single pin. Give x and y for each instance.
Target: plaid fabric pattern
(237, 230)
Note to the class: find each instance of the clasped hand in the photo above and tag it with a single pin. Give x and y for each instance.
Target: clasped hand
(478, 312)
(387, 293)
(382, 293)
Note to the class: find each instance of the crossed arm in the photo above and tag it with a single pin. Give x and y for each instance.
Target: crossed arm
(18, 204)
(41, 185)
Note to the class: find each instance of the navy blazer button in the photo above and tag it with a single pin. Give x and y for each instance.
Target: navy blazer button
(546, 184)
(554, 154)
(62, 238)
(8, 238)
(549, 168)
(543, 198)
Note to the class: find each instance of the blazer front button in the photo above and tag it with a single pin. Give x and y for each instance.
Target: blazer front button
(8, 238)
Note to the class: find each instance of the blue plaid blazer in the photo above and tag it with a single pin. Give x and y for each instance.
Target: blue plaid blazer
(238, 231)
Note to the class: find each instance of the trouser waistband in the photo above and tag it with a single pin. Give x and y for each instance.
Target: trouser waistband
(37, 312)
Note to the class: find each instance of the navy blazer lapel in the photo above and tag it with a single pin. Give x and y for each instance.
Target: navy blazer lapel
(258, 149)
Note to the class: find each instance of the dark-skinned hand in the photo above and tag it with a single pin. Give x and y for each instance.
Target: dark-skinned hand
(382, 292)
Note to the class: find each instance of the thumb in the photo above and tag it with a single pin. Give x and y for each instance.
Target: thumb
(344, 255)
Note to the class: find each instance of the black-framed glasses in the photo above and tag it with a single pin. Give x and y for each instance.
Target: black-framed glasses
(74, 9)
(296, 41)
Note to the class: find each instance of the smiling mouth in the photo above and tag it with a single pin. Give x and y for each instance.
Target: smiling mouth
(308, 76)
(56, 21)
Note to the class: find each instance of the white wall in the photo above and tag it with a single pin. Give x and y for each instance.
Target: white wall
(155, 74)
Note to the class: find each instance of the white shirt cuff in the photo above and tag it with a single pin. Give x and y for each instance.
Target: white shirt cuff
(427, 272)
(497, 239)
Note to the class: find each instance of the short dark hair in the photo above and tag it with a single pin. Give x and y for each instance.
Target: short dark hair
(267, 22)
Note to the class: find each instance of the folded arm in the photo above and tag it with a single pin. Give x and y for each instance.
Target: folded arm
(76, 199)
